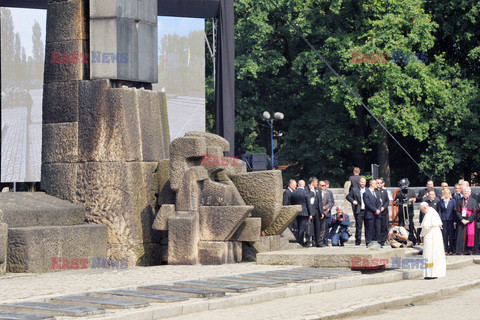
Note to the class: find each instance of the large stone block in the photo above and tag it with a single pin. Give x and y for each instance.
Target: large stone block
(151, 119)
(58, 180)
(103, 39)
(144, 10)
(188, 196)
(66, 20)
(60, 142)
(3, 247)
(220, 223)
(286, 216)
(234, 252)
(31, 249)
(28, 209)
(147, 51)
(126, 100)
(266, 200)
(161, 220)
(60, 102)
(213, 252)
(59, 70)
(165, 193)
(249, 230)
(183, 237)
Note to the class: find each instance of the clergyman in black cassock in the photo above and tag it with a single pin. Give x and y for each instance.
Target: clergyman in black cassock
(466, 209)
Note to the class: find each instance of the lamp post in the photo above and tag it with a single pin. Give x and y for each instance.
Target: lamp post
(276, 116)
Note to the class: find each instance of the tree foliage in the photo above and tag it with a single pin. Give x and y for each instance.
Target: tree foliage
(431, 106)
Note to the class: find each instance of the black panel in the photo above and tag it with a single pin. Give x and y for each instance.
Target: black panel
(189, 8)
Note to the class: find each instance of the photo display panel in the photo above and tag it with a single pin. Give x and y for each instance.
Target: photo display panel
(22, 61)
(181, 72)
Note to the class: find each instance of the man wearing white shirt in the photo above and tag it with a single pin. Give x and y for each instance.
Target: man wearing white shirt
(355, 197)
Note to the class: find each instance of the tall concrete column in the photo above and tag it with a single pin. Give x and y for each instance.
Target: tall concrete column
(105, 134)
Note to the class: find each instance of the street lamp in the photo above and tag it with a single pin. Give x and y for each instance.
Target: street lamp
(276, 116)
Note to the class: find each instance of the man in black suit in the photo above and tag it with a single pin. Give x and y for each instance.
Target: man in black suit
(317, 211)
(373, 206)
(355, 197)
(327, 204)
(423, 193)
(457, 192)
(432, 200)
(385, 199)
(287, 193)
(355, 179)
(302, 197)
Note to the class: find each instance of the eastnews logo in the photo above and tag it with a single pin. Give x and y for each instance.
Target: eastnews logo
(59, 263)
(85, 57)
(382, 57)
(396, 263)
(209, 160)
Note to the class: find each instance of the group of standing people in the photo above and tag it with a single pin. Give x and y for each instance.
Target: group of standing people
(317, 203)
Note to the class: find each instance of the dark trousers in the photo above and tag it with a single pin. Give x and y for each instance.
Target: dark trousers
(359, 222)
(372, 225)
(448, 236)
(302, 225)
(323, 231)
(317, 228)
(384, 227)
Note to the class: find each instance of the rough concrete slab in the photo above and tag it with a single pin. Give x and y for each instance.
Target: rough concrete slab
(4, 315)
(183, 237)
(166, 211)
(220, 223)
(267, 201)
(51, 309)
(66, 20)
(284, 219)
(213, 252)
(140, 296)
(184, 291)
(299, 273)
(60, 102)
(271, 276)
(214, 285)
(250, 282)
(60, 142)
(249, 230)
(330, 257)
(3, 246)
(93, 301)
(32, 249)
(63, 72)
(28, 209)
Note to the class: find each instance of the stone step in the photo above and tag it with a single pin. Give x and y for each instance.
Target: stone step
(328, 270)
(184, 291)
(40, 249)
(251, 282)
(100, 302)
(30, 209)
(53, 309)
(139, 296)
(4, 315)
(301, 273)
(271, 276)
(214, 285)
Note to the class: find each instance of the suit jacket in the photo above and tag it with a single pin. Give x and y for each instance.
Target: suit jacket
(446, 211)
(317, 206)
(457, 196)
(355, 181)
(331, 197)
(335, 224)
(355, 195)
(287, 195)
(327, 203)
(384, 200)
(422, 192)
(302, 197)
(372, 203)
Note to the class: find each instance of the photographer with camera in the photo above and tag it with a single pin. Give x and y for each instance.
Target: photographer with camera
(404, 200)
(398, 237)
(339, 224)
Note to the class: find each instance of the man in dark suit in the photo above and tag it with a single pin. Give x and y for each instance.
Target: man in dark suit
(317, 211)
(331, 195)
(326, 204)
(385, 199)
(302, 197)
(287, 193)
(355, 179)
(457, 192)
(373, 206)
(423, 193)
(432, 201)
(355, 197)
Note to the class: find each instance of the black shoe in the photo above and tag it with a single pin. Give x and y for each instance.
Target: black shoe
(342, 245)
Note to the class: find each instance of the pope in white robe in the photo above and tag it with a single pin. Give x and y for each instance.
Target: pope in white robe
(433, 250)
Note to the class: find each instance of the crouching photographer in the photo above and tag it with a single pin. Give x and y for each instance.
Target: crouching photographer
(398, 237)
(339, 224)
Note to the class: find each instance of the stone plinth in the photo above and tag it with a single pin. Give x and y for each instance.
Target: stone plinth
(331, 257)
(3, 247)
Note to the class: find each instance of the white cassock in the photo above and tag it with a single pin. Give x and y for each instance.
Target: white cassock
(433, 250)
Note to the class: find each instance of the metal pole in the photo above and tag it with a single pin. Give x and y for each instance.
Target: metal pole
(271, 141)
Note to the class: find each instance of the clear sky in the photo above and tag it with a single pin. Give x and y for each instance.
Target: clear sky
(23, 20)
